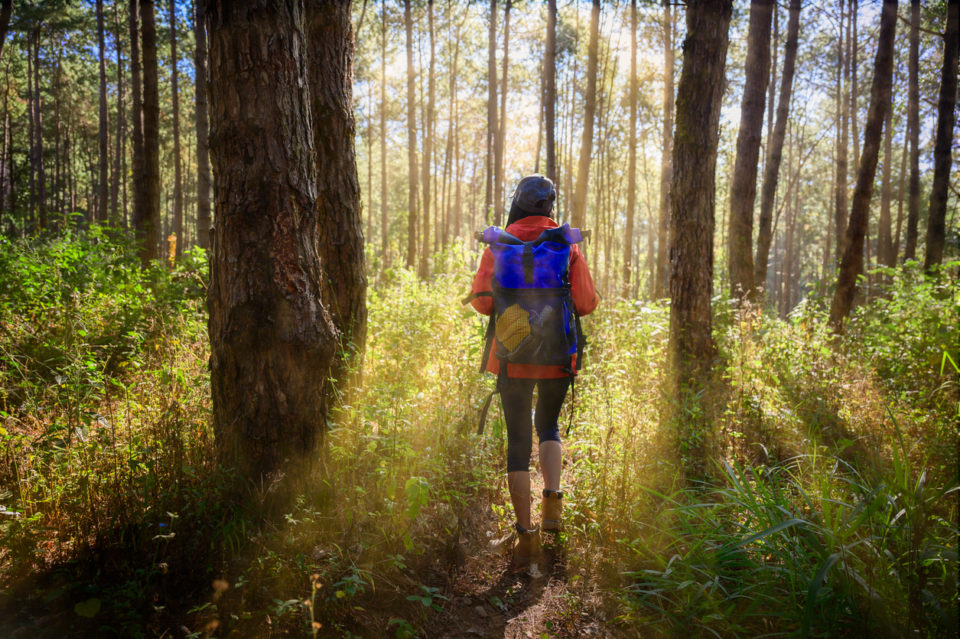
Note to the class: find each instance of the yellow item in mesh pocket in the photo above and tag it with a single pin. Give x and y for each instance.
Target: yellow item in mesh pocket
(513, 326)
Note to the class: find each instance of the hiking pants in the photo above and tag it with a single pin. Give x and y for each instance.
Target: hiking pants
(516, 395)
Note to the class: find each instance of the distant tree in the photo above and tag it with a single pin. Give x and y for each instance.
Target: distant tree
(428, 125)
(946, 115)
(743, 189)
(502, 119)
(119, 165)
(384, 243)
(631, 155)
(148, 233)
(550, 91)
(699, 97)
(330, 70)
(272, 340)
(492, 126)
(851, 266)
(589, 110)
(104, 156)
(411, 142)
(660, 288)
(202, 126)
(885, 251)
(139, 192)
(175, 116)
(843, 117)
(913, 130)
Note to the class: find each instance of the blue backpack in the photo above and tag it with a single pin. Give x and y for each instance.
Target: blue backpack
(534, 318)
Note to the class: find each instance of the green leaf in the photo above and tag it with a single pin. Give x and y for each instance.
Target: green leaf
(88, 608)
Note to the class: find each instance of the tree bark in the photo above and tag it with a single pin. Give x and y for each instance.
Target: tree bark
(272, 340)
(411, 143)
(139, 195)
(942, 160)
(578, 218)
(424, 268)
(149, 231)
(666, 159)
(699, 97)
(177, 168)
(492, 125)
(854, 88)
(384, 244)
(502, 120)
(851, 266)
(203, 127)
(840, 203)
(550, 92)
(885, 252)
(631, 157)
(38, 132)
(330, 70)
(119, 146)
(771, 171)
(913, 126)
(743, 188)
(104, 157)
(6, 8)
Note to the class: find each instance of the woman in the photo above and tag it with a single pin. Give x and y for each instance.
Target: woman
(530, 215)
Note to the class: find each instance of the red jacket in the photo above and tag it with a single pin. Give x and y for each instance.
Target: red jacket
(585, 297)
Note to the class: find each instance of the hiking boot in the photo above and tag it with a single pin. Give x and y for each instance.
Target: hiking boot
(527, 547)
(552, 506)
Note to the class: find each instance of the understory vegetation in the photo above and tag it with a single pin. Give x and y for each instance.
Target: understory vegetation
(832, 509)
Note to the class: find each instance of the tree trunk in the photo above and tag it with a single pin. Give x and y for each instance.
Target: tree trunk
(913, 126)
(851, 266)
(104, 157)
(885, 251)
(411, 143)
(424, 269)
(854, 64)
(118, 148)
(631, 156)
(330, 70)
(502, 120)
(139, 195)
(699, 97)
(149, 231)
(666, 158)
(492, 126)
(272, 340)
(840, 203)
(384, 243)
(550, 91)
(203, 127)
(31, 134)
(451, 158)
(941, 151)
(177, 168)
(6, 8)
(578, 218)
(743, 188)
(771, 171)
(38, 132)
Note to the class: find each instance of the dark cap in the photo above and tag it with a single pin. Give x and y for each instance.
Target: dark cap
(535, 194)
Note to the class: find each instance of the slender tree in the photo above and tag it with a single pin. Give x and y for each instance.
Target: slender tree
(502, 119)
(384, 243)
(743, 189)
(139, 194)
(843, 113)
(913, 127)
(772, 169)
(942, 159)
(202, 126)
(330, 70)
(175, 115)
(428, 126)
(550, 91)
(851, 266)
(6, 8)
(699, 97)
(121, 120)
(666, 158)
(149, 231)
(631, 156)
(589, 109)
(271, 337)
(38, 134)
(492, 126)
(884, 235)
(411, 142)
(104, 157)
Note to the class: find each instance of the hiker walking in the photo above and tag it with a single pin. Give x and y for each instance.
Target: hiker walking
(534, 282)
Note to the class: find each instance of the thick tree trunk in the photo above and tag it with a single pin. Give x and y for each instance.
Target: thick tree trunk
(492, 125)
(851, 266)
(103, 190)
(666, 158)
(139, 195)
(149, 231)
(429, 116)
(502, 120)
(913, 126)
(631, 157)
(6, 8)
(550, 91)
(384, 243)
(411, 142)
(330, 70)
(743, 188)
(203, 127)
(942, 160)
(771, 171)
(272, 340)
(578, 218)
(177, 168)
(692, 194)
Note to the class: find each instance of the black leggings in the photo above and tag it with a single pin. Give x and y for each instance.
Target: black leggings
(516, 395)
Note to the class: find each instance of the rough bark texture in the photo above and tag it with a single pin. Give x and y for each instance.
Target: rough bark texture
(177, 167)
(851, 266)
(913, 127)
(631, 157)
(103, 190)
(942, 160)
(578, 218)
(550, 91)
(699, 97)
(149, 231)
(666, 157)
(411, 142)
(743, 189)
(203, 128)
(771, 171)
(272, 340)
(136, 108)
(330, 65)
